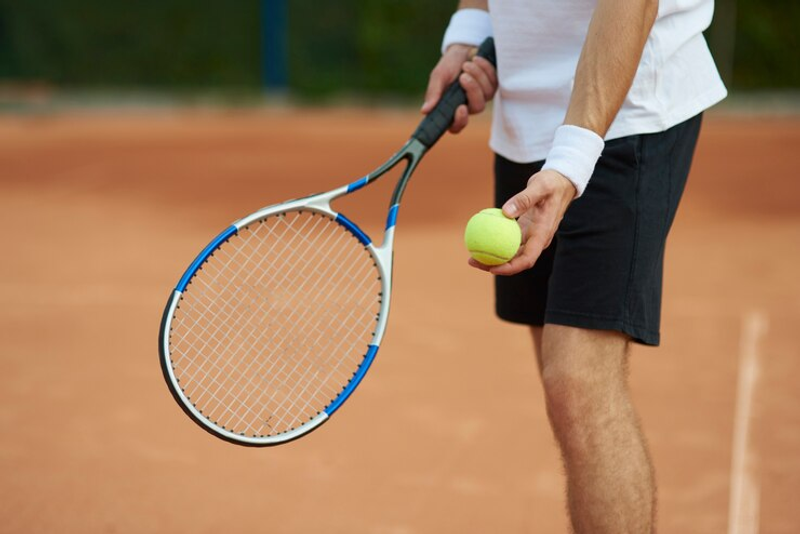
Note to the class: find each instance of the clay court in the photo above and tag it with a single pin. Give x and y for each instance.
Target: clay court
(100, 213)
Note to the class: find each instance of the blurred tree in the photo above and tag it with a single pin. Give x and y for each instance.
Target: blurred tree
(148, 43)
(766, 48)
(367, 46)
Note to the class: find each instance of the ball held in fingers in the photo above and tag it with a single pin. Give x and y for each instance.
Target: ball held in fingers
(491, 237)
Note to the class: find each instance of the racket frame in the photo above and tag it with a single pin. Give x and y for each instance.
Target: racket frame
(319, 203)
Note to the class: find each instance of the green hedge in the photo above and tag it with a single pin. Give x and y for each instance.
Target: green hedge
(146, 43)
(367, 46)
(767, 47)
(377, 47)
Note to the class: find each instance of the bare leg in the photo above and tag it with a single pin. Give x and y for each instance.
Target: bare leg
(610, 480)
(536, 333)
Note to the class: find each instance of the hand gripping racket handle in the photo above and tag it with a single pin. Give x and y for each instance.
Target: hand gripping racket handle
(441, 117)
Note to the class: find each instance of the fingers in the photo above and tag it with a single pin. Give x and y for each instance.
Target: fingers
(476, 100)
(478, 78)
(488, 69)
(540, 208)
(436, 85)
(483, 76)
(460, 119)
(526, 257)
(443, 74)
(478, 265)
(528, 254)
(525, 199)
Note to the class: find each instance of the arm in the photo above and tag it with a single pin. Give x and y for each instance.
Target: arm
(474, 4)
(610, 57)
(479, 78)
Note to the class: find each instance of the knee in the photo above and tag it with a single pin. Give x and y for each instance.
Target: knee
(580, 404)
(569, 400)
(584, 377)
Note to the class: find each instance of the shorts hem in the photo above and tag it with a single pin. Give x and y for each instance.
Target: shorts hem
(639, 334)
(520, 318)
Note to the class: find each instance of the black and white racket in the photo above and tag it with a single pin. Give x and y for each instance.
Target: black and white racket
(278, 319)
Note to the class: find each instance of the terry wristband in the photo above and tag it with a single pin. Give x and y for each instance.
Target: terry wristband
(467, 26)
(574, 154)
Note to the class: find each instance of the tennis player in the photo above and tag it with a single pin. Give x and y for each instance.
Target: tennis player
(597, 110)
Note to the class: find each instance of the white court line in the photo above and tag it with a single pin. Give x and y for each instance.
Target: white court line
(743, 514)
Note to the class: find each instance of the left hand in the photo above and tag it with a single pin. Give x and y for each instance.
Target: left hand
(540, 208)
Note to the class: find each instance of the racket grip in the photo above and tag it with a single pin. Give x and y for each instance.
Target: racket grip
(436, 123)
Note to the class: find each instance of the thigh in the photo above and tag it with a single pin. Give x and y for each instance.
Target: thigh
(583, 356)
(607, 269)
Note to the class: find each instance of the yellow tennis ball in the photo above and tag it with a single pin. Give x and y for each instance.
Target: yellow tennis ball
(491, 237)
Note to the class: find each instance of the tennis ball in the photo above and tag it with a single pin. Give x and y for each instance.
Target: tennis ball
(491, 237)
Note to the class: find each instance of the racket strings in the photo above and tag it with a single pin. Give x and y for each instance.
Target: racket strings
(220, 271)
(223, 312)
(215, 382)
(276, 323)
(213, 414)
(279, 328)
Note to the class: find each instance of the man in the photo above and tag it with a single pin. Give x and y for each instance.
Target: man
(627, 79)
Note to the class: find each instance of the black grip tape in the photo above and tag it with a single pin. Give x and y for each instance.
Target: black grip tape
(436, 123)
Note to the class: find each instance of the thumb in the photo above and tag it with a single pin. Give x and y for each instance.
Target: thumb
(433, 93)
(522, 201)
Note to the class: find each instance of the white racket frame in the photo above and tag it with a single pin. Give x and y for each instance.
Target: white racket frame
(382, 255)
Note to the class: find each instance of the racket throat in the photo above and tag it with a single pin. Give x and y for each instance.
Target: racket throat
(412, 152)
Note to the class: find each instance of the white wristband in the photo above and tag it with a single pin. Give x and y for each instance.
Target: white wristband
(469, 27)
(574, 154)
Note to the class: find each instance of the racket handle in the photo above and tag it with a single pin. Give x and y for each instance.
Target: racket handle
(436, 123)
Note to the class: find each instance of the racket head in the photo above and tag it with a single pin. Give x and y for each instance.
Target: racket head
(276, 322)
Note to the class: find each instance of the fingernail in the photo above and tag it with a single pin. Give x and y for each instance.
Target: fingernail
(510, 209)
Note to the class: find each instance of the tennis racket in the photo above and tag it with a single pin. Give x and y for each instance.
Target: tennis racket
(276, 322)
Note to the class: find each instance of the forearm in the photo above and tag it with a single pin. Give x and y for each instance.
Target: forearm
(616, 38)
(474, 4)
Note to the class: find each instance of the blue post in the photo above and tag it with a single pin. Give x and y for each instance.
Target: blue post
(273, 45)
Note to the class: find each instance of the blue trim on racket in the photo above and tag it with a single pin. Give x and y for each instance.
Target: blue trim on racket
(357, 377)
(355, 230)
(203, 256)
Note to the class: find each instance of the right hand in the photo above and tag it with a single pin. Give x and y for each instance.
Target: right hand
(540, 208)
(479, 80)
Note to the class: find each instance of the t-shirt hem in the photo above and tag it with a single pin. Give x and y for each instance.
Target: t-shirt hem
(538, 152)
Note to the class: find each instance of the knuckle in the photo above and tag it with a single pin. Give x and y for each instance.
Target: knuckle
(546, 182)
(541, 184)
(523, 200)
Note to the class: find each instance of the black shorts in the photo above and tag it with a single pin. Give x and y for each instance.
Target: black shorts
(604, 268)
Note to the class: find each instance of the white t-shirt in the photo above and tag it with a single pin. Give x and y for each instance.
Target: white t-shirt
(538, 43)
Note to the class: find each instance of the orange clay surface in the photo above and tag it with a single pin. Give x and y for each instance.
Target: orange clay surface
(101, 213)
